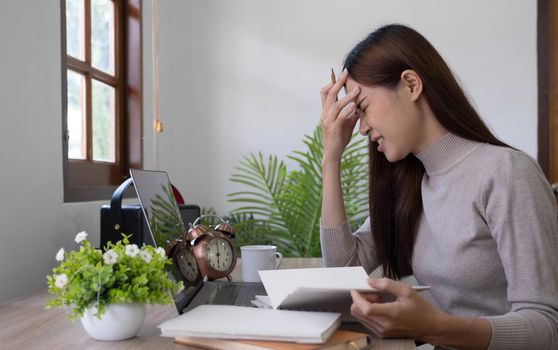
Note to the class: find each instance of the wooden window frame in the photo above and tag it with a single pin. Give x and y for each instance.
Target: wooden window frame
(543, 81)
(93, 180)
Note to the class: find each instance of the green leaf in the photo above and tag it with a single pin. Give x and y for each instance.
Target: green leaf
(284, 208)
(90, 281)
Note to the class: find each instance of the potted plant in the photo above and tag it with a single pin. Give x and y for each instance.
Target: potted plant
(283, 208)
(109, 290)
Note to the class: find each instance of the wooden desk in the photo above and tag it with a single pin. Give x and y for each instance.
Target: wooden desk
(25, 324)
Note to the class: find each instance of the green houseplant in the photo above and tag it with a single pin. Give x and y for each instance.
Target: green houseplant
(89, 282)
(283, 207)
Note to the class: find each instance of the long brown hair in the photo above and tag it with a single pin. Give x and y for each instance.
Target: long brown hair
(395, 188)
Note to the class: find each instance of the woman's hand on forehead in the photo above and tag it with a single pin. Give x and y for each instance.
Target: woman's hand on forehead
(339, 116)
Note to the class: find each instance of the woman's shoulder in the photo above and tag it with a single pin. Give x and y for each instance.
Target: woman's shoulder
(501, 159)
(508, 166)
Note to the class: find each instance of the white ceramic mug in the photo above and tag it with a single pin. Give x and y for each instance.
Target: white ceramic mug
(256, 258)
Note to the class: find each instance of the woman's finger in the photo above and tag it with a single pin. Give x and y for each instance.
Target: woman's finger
(345, 100)
(375, 327)
(398, 289)
(334, 91)
(348, 111)
(360, 305)
(323, 93)
(372, 297)
(333, 112)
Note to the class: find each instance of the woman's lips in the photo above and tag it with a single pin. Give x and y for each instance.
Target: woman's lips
(380, 144)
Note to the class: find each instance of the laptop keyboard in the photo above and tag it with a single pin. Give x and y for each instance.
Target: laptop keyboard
(237, 294)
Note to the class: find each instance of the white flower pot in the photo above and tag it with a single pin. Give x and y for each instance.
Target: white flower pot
(119, 322)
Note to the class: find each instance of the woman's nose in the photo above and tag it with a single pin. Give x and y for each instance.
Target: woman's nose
(363, 128)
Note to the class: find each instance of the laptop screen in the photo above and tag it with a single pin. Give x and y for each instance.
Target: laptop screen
(163, 217)
(159, 205)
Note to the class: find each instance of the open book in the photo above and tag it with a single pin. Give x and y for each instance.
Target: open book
(238, 322)
(317, 289)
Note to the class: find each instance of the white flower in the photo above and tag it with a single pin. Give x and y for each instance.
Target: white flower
(161, 252)
(60, 255)
(145, 256)
(93, 309)
(60, 281)
(132, 250)
(80, 236)
(110, 257)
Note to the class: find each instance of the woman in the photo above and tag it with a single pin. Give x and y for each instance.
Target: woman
(450, 203)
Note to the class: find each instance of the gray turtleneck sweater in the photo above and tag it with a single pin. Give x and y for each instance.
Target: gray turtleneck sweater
(487, 242)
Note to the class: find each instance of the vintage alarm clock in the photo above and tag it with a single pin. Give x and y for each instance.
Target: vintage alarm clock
(184, 260)
(213, 249)
(203, 253)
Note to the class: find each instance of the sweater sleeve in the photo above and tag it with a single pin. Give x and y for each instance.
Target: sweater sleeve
(520, 210)
(340, 247)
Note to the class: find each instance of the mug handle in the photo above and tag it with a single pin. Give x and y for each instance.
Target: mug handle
(278, 258)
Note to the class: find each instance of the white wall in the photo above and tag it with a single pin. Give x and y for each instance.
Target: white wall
(243, 76)
(34, 222)
(236, 77)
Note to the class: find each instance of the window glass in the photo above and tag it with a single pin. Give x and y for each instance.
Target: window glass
(103, 113)
(76, 116)
(102, 35)
(75, 33)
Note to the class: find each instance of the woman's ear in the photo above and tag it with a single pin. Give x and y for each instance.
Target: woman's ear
(412, 83)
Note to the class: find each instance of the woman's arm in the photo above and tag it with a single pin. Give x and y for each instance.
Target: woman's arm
(466, 333)
(520, 211)
(333, 207)
(339, 246)
(412, 316)
(338, 119)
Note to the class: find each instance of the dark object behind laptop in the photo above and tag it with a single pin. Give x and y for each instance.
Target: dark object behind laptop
(117, 219)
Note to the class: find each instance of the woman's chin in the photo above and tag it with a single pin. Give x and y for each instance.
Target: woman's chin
(393, 157)
(389, 158)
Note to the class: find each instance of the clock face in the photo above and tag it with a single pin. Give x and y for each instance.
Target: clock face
(219, 254)
(187, 265)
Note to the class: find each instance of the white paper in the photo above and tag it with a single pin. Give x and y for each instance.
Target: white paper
(237, 322)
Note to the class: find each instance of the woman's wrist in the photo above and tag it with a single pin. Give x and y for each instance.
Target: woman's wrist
(329, 162)
(459, 332)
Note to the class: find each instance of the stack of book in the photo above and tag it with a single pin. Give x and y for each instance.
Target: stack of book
(321, 298)
(235, 327)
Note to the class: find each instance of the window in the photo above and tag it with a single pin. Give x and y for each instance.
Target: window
(101, 89)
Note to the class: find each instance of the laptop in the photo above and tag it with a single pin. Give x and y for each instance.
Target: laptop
(166, 222)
